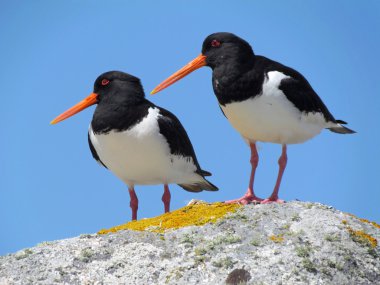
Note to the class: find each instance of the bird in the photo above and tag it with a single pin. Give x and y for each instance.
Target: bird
(139, 142)
(264, 100)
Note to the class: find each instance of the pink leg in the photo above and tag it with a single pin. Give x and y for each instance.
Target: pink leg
(166, 198)
(134, 204)
(282, 164)
(250, 196)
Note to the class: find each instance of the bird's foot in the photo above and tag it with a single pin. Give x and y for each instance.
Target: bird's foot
(246, 199)
(272, 200)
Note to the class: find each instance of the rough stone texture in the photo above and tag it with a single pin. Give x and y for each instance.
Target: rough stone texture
(294, 243)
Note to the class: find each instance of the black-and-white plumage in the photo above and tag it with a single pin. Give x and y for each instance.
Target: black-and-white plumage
(273, 103)
(139, 142)
(263, 100)
(155, 150)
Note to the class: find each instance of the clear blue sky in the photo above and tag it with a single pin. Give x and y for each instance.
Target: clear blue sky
(52, 51)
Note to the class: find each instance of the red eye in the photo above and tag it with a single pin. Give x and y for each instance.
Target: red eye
(215, 43)
(105, 82)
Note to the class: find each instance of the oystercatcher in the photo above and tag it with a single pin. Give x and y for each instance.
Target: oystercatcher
(138, 141)
(263, 100)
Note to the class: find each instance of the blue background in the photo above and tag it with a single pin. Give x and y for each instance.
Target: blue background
(52, 51)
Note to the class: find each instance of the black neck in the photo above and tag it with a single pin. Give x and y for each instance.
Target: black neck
(236, 80)
(119, 116)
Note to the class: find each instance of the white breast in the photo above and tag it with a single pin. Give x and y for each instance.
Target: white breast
(141, 155)
(271, 117)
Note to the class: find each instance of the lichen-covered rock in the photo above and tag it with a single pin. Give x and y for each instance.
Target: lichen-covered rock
(196, 213)
(293, 243)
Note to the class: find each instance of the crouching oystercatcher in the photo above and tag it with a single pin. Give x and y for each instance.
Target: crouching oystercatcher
(263, 100)
(138, 141)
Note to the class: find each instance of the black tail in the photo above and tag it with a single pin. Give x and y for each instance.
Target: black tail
(340, 129)
(199, 186)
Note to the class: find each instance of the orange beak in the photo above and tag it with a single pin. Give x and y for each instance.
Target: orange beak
(196, 63)
(86, 102)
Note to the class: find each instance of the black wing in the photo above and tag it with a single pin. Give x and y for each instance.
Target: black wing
(178, 140)
(93, 151)
(302, 95)
(298, 90)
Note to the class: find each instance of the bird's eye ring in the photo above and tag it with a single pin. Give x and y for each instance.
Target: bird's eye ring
(105, 82)
(215, 43)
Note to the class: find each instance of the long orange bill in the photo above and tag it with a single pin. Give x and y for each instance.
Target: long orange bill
(196, 63)
(86, 102)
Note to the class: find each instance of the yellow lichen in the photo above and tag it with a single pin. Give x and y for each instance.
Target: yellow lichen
(193, 215)
(362, 237)
(365, 221)
(369, 222)
(344, 222)
(277, 238)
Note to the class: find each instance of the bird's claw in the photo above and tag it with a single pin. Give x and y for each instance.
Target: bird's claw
(245, 200)
(270, 200)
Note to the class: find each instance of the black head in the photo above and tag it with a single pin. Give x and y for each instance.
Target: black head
(118, 87)
(223, 51)
(220, 48)
(110, 88)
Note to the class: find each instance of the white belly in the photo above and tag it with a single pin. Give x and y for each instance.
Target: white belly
(141, 155)
(270, 117)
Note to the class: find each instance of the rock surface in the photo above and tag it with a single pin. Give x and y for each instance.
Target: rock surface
(293, 243)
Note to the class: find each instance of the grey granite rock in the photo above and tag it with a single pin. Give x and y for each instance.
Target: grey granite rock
(294, 243)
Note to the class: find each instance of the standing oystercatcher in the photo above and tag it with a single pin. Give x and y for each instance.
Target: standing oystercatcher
(263, 100)
(138, 141)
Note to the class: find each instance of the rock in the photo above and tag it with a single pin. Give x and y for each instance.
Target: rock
(238, 276)
(196, 202)
(292, 243)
